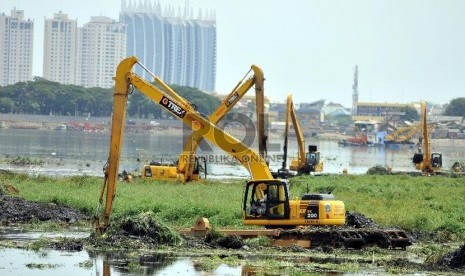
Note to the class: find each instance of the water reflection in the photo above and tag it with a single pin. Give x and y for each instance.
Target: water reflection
(14, 261)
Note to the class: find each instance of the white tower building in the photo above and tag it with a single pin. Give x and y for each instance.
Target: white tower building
(102, 45)
(16, 48)
(60, 49)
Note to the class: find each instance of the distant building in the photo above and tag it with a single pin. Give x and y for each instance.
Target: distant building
(334, 109)
(310, 113)
(102, 45)
(175, 46)
(16, 48)
(60, 49)
(378, 111)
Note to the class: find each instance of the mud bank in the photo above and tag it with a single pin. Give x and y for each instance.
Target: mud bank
(144, 232)
(18, 210)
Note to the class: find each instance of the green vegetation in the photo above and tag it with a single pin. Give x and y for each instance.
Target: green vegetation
(24, 161)
(418, 204)
(410, 114)
(414, 203)
(43, 97)
(456, 107)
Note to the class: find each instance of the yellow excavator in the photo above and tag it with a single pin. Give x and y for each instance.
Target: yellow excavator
(306, 162)
(266, 200)
(280, 211)
(425, 160)
(188, 165)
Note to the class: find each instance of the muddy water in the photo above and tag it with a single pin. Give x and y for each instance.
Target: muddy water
(78, 152)
(20, 261)
(52, 262)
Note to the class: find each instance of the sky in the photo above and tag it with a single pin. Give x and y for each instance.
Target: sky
(406, 50)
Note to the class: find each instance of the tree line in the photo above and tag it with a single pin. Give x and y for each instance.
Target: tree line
(44, 97)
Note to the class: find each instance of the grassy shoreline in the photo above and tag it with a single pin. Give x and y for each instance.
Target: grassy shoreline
(413, 203)
(428, 206)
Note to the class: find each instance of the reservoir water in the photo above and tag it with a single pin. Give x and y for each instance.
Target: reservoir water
(80, 152)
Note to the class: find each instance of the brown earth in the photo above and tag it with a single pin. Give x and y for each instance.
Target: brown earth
(18, 210)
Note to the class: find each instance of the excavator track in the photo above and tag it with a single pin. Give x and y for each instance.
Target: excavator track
(354, 238)
(312, 237)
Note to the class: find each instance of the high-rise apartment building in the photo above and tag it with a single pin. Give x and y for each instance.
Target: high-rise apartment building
(60, 49)
(16, 48)
(177, 47)
(102, 45)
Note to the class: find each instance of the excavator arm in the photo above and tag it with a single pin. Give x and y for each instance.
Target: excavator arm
(187, 158)
(305, 162)
(290, 113)
(181, 110)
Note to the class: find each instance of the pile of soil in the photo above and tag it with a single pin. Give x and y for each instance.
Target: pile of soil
(143, 230)
(358, 220)
(147, 225)
(18, 210)
(377, 170)
(455, 259)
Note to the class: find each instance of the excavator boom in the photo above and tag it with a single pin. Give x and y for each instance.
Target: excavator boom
(266, 200)
(305, 162)
(187, 158)
(180, 109)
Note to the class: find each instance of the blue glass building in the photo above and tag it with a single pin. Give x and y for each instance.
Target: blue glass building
(173, 45)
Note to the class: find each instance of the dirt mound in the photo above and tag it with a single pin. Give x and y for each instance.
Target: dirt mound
(378, 170)
(17, 210)
(454, 259)
(358, 220)
(137, 231)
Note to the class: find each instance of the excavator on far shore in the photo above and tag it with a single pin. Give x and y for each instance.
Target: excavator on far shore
(425, 160)
(266, 200)
(188, 166)
(306, 162)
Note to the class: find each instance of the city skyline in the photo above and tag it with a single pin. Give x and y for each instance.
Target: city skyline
(405, 51)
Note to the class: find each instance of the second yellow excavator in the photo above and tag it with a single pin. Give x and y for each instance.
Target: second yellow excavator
(188, 166)
(306, 162)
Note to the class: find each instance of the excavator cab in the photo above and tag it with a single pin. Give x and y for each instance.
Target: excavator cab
(312, 159)
(266, 199)
(160, 170)
(436, 160)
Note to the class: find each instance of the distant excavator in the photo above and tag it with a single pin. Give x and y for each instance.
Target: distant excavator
(306, 162)
(425, 160)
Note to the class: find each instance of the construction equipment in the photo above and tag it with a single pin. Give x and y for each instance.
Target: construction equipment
(425, 160)
(187, 168)
(306, 162)
(266, 200)
(403, 135)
